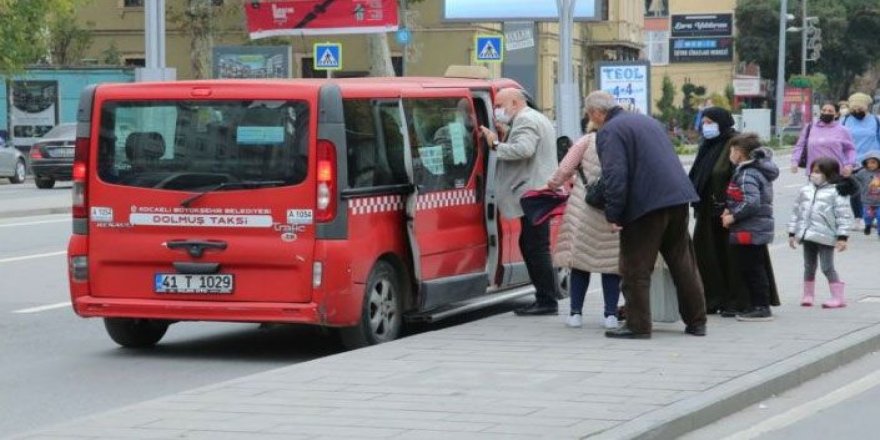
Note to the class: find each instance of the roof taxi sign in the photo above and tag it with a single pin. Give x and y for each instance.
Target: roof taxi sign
(489, 48)
(327, 56)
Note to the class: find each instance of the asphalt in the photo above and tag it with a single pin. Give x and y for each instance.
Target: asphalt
(508, 377)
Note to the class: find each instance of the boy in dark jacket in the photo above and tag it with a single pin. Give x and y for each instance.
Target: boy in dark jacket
(869, 182)
(749, 216)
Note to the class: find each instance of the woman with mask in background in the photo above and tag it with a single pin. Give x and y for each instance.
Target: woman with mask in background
(865, 130)
(825, 138)
(711, 172)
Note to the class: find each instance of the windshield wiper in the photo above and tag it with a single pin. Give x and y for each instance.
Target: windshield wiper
(231, 185)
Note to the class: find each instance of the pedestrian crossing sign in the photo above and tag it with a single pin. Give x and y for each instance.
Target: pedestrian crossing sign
(327, 56)
(489, 48)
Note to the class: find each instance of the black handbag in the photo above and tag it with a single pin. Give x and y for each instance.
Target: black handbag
(595, 196)
(802, 162)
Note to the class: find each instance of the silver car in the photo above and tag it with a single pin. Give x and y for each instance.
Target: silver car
(12, 163)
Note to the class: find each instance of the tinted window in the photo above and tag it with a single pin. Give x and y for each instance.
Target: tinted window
(441, 135)
(192, 145)
(62, 131)
(375, 144)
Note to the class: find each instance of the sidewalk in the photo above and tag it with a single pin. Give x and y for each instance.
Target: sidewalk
(508, 377)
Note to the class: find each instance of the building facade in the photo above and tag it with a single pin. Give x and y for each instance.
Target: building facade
(435, 43)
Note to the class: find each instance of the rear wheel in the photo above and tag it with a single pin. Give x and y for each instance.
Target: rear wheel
(135, 333)
(20, 172)
(381, 315)
(44, 182)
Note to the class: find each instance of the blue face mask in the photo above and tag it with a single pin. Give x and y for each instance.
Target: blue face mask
(711, 131)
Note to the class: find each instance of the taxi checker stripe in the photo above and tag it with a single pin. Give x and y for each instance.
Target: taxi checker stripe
(377, 204)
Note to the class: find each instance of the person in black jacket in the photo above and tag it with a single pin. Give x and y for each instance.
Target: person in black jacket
(647, 196)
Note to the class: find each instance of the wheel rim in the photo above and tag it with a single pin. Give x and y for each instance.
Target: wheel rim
(383, 308)
(19, 171)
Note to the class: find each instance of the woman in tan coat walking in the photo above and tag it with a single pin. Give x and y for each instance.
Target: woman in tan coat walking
(586, 243)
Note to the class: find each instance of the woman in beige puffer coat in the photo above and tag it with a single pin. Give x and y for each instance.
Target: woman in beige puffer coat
(586, 243)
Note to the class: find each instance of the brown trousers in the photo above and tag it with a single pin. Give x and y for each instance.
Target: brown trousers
(664, 231)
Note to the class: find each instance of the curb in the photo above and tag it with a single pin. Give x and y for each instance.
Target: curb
(731, 397)
(35, 212)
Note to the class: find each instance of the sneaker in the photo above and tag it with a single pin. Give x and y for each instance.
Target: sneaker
(858, 224)
(575, 321)
(610, 322)
(757, 314)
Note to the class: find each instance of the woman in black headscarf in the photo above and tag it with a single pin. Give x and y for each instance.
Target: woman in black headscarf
(725, 291)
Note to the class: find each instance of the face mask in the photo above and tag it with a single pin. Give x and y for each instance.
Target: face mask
(826, 118)
(859, 115)
(501, 116)
(711, 131)
(817, 178)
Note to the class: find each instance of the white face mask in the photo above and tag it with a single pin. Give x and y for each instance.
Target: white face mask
(817, 178)
(501, 115)
(711, 131)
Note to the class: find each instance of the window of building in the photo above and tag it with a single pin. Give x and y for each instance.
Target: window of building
(375, 144)
(133, 3)
(134, 61)
(656, 8)
(657, 47)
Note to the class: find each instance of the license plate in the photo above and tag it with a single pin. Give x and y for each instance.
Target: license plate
(61, 152)
(185, 283)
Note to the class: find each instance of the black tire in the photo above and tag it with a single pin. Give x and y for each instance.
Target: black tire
(135, 333)
(44, 182)
(381, 314)
(20, 172)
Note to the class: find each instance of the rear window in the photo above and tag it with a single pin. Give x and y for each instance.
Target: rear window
(62, 131)
(194, 145)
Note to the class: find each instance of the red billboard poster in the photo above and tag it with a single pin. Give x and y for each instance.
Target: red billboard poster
(272, 18)
(797, 107)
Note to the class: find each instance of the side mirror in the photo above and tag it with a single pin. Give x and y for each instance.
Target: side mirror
(563, 143)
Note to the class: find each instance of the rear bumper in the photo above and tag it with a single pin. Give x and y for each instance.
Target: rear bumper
(90, 306)
(53, 169)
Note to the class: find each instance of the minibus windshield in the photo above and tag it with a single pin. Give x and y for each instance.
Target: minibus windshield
(200, 145)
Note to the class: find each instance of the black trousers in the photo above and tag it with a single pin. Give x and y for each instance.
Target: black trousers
(752, 261)
(534, 244)
(664, 231)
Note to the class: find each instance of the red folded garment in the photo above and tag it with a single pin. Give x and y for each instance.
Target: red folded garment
(540, 205)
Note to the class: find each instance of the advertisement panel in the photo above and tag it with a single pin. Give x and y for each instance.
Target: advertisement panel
(515, 10)
(319, 17)
(33, 110)
(797, 107)
(700, 50)
(629, 82)
(706, 25)
(252, 62)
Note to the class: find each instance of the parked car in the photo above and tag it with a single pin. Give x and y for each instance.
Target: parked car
(12, 163)
(52, 155)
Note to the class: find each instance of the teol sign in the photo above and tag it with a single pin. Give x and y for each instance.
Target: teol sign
(319, 17)
(707, 25)
(629, 82)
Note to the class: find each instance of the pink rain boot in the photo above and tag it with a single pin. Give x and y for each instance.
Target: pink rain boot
(836, 300)
(809, 293)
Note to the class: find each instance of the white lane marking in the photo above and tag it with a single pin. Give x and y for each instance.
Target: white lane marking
(31, 257)
(809, 408)
(41, 222)
(44, 308)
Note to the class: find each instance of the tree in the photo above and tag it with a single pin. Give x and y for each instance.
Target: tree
(198, 18)
(665, 103)
(849, 40)
(67, 41)
(379, 50)
(24, 38)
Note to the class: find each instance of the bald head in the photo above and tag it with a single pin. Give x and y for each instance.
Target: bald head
(510, 99)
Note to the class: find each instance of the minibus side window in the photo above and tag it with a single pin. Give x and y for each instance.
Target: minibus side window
(375, 144)
(442, 142)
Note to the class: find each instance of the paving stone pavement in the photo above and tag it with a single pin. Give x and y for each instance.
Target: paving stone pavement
(508, 377)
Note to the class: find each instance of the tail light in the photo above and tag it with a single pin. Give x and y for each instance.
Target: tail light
(81, 179)
(79, 268)
(327, 181)
(35, 151)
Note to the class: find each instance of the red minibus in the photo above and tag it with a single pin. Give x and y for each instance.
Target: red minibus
(358, 204)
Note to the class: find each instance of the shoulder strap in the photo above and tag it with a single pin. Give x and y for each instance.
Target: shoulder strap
(580, 170)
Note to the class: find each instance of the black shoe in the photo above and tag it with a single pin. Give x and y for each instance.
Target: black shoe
(696, 330)
(538, 309)
(727, 313)
(623, 332)
(867, 229)
(758, 314)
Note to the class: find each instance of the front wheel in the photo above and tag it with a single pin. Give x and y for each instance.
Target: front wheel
(20, 172)
(135, 333)
(381, 314)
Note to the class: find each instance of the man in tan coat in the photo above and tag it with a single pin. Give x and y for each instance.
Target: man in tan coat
(526, 159)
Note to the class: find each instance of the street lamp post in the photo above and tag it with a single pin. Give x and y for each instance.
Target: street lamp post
(780, 68)
(568, 107)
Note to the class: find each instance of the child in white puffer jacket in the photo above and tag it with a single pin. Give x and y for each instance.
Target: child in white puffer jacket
(821, 220)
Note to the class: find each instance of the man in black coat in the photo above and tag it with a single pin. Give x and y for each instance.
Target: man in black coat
(647, 196)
